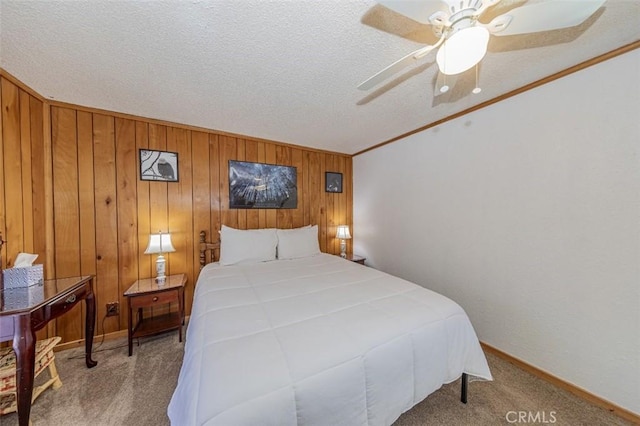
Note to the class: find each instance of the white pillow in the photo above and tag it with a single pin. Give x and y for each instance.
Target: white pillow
(299, 242)
(247, 246)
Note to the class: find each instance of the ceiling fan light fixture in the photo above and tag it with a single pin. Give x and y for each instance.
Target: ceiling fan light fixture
(462, 50)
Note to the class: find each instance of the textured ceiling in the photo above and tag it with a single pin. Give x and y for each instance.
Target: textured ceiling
(284, 70)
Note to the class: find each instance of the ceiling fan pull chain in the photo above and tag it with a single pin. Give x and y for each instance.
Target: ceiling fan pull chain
(476, 89)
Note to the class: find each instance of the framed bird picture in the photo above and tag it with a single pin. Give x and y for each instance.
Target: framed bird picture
(332, 182)
(158, 165)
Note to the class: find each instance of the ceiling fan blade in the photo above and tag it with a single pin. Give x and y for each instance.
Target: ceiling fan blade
(418, 10)
(397, 66)
(484, 5)
(551, 15)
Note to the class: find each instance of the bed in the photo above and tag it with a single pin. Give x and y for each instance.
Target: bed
(311, 338)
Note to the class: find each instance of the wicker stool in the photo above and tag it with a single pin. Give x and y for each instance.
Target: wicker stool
(44, 358)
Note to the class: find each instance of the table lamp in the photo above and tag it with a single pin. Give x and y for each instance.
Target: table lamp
(344, 235)
(158, 244)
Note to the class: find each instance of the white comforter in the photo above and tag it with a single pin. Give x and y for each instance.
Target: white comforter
(316, 341)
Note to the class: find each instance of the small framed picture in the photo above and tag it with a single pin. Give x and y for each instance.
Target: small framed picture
(332, 182)
(158, 165)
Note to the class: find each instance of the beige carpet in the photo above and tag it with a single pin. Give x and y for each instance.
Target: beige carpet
(136, 390)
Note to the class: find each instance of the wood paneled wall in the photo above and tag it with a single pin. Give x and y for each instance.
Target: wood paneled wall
(70, 192)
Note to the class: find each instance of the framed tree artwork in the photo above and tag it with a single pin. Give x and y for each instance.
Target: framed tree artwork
(262, 186)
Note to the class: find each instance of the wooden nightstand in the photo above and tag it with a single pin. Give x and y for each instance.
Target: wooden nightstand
(356, 258)
(146, 293)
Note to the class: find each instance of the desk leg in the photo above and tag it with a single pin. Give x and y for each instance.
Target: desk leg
(90, 321)
(24, 345)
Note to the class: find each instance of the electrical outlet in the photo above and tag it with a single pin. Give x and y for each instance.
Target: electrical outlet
(113, 309)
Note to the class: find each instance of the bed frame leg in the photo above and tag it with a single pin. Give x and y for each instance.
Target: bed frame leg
(463, 393)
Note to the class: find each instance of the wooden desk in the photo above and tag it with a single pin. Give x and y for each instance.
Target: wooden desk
(26, 310)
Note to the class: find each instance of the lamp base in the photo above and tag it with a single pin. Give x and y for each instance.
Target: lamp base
(343, 248)
(160, 269)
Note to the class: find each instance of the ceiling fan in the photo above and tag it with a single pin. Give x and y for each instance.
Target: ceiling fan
(463, 39)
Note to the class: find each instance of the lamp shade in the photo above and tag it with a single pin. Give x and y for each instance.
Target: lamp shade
(463, 50)
(343, 232)
(159, 243)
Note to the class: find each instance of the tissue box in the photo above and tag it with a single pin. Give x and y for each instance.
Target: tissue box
(22, 297)
(23, 277)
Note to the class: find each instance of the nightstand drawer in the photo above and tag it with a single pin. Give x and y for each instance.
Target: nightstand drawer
(153, 299)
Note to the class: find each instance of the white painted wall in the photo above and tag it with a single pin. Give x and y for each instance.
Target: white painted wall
(527, 213)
